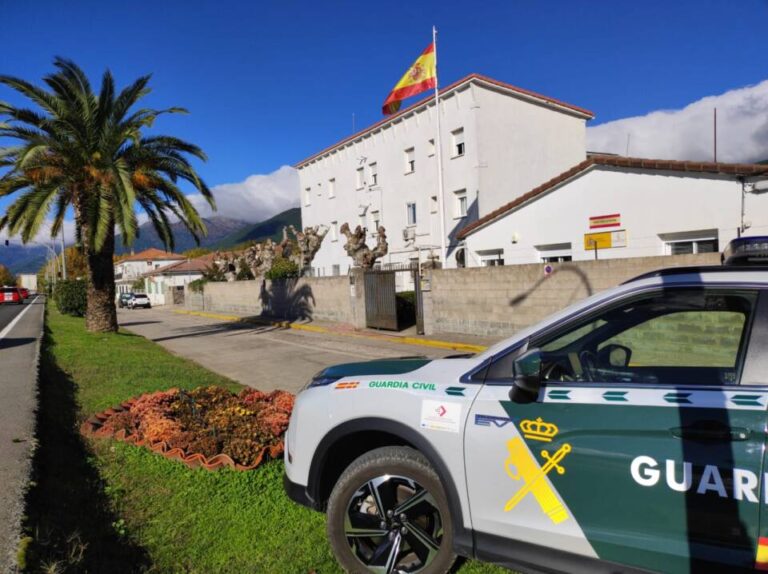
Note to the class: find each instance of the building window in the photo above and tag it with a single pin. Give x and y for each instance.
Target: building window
(431, 148)
(374, 175)
(334, 230)
(491, 257)
(335, 270)
(694, 246)
(411, 209)
(375, 222)
(690, 242)
(433, 204)
(410, 160)
(331, 188)
(554, 252)
(307, 196)
(461, 203)
(360, 178)
(457, 142)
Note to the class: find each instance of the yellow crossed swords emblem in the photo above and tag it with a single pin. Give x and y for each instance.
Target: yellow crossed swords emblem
(520, 464)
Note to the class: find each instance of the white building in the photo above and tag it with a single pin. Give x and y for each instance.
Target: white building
(615, 207)
(159, 282)
(133, 267)
(498, 142)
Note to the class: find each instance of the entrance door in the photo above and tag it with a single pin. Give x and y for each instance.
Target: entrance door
(641, 448)
(380, 300)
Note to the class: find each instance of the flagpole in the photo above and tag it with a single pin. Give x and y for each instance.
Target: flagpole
(438, 143)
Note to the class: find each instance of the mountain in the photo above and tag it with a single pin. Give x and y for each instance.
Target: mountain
(22, 258)
(218, 229)
(272, 227)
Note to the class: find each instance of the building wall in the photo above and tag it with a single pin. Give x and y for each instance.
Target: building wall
(656, 208)
(503, 300)
(510, 146)
(316, 298)
(156, 287)
(521, 145)
(129, 271)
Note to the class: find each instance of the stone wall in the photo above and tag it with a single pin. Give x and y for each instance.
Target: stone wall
(502, 300)
(320, 298)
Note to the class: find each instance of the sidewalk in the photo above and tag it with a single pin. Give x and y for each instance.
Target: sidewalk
(276, 355)
(454, 341)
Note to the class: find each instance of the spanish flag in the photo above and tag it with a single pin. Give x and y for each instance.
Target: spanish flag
(420, 77)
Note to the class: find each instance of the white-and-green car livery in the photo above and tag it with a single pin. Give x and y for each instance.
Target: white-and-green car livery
(625, 434)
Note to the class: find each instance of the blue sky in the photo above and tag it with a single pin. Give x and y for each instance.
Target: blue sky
(270, 83)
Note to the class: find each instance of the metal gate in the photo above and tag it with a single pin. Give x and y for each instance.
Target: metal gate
(380, 300)
(382, 310)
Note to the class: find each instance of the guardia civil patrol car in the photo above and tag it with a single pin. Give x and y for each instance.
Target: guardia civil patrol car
(624, 434)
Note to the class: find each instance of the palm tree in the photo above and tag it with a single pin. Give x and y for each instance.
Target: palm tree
(87, 151)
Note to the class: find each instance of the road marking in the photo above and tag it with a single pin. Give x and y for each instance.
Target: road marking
(12, 324)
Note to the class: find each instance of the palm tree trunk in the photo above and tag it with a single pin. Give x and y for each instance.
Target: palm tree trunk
(101, 314)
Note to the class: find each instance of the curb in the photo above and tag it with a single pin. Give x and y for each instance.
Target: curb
(434, 343)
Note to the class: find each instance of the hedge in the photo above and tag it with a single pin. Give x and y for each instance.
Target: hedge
(70, 297)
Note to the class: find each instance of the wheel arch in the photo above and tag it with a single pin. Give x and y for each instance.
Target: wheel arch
(365, 435)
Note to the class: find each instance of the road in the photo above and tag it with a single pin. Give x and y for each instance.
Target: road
(20, 329)
(263, 357)
(8, 312)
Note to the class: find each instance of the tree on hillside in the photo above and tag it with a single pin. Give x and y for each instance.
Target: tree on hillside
(196, 252)
(87, 151)
(6, 277)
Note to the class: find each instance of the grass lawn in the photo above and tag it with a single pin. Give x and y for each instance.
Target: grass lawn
(104, 506)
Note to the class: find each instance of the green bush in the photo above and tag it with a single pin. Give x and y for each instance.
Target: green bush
(198, 285)
(282, 269)
(70, 297)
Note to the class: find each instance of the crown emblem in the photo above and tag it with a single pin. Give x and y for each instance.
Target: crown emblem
(538, 430)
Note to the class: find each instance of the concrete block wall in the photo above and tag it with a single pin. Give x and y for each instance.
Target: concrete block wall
(499, 301)
(307, 298)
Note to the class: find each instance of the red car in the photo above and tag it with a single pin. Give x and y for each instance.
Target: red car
(24, 292)
(11, 295)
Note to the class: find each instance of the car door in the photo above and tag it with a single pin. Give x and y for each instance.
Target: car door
(640, 447)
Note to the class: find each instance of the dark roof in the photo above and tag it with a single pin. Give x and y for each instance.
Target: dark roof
(735, 169)
(476, 77)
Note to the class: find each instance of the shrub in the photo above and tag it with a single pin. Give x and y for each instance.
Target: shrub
(198, 285)
(71, 297)
(282, 268)
(209, 421)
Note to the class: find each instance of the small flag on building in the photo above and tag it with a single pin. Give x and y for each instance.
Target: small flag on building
(420, 77)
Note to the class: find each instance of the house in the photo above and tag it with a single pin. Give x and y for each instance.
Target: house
(498, 141)
(160, 283)
(610, 207)
(134, 266)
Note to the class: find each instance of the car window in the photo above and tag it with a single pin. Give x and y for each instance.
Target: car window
(671, 337)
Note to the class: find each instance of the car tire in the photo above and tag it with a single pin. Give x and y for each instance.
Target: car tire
(416, 538)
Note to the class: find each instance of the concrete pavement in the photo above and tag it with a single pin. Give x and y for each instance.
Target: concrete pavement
(262, 356)
(19, 345)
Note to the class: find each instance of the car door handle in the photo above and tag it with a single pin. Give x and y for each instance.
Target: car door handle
(717, 433)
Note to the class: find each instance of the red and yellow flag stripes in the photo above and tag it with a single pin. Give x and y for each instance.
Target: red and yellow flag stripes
(420, 77)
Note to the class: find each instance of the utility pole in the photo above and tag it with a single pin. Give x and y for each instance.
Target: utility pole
(63, 255)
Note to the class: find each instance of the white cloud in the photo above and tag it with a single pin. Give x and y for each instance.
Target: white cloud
(255, 199)
(44, 235)
(742, 130)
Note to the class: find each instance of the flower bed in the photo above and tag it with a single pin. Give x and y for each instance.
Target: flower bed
(208, 426)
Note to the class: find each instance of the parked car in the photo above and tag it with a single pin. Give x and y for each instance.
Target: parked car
(139, 300)
(123, 298)
(10, 294)
(623, 434)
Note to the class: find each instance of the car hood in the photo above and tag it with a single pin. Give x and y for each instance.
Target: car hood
(396, 366)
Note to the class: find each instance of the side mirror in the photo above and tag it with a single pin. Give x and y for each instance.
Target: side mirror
(527, 377)
(614, 356)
